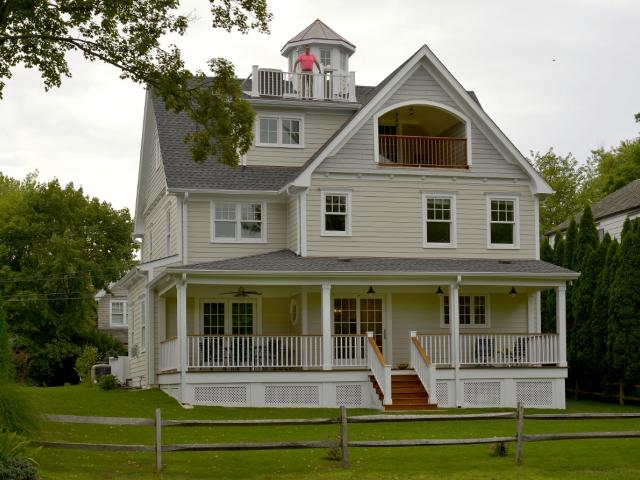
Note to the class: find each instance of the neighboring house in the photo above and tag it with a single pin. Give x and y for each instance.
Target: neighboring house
(609, 213)
(361, 214)
(113, 312)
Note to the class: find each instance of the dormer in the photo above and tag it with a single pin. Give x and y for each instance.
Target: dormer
(334, 83)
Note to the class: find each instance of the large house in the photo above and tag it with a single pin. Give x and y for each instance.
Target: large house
(377, 247)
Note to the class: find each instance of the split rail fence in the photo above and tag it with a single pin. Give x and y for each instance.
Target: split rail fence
(342, 442)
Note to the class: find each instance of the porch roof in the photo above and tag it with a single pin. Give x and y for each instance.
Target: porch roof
(285, 261)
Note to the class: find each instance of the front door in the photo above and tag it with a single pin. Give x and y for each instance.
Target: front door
(357, 316)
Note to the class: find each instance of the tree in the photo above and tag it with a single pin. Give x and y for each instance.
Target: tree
(6, 369)
(623, 339)
(57, 246)
(587, 236)
(127, 34)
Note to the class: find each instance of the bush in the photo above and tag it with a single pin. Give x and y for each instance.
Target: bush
(15, 458)
(16, 412)
(109, 382)
(107, 345)
(87, 359)
(53, 363)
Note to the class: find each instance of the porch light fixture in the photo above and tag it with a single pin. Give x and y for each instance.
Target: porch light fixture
(439, 291)
(512, 292)
(371, 291)
(410, 110)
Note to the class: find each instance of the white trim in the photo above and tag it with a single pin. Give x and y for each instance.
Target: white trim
(453, 231)
(471, 326)
(516, 222)
(538, 183)
(438, 105)
(238, 222)
(256, 327)
(125, 314)
(536, 223)
(348, 214)
(279, 117)
(303, 223)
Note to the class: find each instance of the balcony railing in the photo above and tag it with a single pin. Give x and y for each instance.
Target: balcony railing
(327, 86)
(494, 350)
(417, 151)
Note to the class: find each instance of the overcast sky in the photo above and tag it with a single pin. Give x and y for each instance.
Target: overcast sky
(552, 73)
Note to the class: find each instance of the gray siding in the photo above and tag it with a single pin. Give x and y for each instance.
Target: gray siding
(103, 310)
(201, 249)
(387, 218)
(319, 125)
(137, 363)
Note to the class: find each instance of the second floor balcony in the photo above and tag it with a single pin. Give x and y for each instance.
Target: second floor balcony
(326, 86)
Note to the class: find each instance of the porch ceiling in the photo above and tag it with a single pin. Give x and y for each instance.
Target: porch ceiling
(287, 262)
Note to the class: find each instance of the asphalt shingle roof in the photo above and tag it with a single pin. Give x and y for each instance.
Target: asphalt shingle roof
(287, 261)
(318, 30)
(622, 200)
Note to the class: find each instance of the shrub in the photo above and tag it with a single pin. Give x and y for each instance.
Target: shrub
(87, 359)
(109, 382)
(16, 412)
(107, 345)
(15, 458)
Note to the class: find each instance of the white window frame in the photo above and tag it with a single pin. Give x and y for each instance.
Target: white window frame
(228, 317)
(279, 118)
(472, 326)
(516, 222)
(125, 314)
(238, 221)
(453, 229)
(348, 214)
(323, 49)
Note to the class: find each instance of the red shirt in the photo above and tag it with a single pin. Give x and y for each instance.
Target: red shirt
(306, 62)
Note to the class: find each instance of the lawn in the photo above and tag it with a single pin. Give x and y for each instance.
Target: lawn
(566, 459)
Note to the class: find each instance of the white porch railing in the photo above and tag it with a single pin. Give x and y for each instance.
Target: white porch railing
(318, 86)
(529, 349)
(169, 354)
(438, 347)
(349, 350)
(254, 351)
(380, 371)
(423, 366)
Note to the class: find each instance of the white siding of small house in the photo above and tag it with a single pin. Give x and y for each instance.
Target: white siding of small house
(613, 225)
(387, 217)
(201, 249)
(319, 125)
(357, 154)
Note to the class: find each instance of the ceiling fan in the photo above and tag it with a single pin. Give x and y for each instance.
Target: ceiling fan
(241, 292)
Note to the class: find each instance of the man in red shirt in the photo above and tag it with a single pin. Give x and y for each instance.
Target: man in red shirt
(306, 60)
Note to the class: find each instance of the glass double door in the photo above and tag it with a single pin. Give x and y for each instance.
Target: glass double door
(228, 317)
(357, 316)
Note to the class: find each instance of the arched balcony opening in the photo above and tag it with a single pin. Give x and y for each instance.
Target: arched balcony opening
(421, 135)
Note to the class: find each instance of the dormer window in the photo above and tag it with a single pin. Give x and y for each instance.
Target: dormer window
(280, 131)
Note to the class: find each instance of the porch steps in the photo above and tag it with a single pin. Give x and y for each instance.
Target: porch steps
(407, 393)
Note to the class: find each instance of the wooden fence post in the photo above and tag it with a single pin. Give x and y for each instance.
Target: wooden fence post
(344, 440)
(158, 440)
(519, 432)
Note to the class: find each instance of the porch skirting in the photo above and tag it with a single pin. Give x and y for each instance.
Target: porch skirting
(536, 387)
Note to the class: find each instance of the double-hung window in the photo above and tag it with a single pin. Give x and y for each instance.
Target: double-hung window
(336, 213)
(325, 57)
(472, 309)
(238, 222)
(503, 223)
(439, 220)
(118, 313)
(280, 131)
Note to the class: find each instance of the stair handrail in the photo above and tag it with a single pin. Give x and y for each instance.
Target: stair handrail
(423, 366)
(379, 369)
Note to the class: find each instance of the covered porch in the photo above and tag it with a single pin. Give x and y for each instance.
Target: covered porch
(438, 327)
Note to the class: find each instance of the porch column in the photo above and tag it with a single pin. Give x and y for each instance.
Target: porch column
(561, 323)
(326, 327)
(454, 329)
(181, 303)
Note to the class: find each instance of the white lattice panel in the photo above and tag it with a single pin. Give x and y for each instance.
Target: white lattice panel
(482, 394)
(535, 394)
(349, 394)
(220, 395)
(292, 395)
(442, 393)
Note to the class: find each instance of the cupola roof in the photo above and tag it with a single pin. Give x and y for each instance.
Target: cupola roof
(318, 32)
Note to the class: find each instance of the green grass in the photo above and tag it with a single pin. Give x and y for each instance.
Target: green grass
(592, 459)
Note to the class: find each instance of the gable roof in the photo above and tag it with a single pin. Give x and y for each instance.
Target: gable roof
(317, 31)
(285, 261)
(622, 200)
(183, 174)
(377, 97)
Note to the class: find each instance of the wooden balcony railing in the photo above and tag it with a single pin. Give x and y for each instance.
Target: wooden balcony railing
(416, 151)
